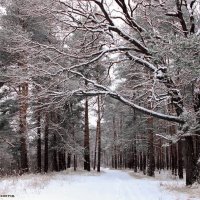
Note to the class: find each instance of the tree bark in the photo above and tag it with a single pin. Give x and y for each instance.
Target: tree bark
(135, 155)
(196, 100)
(150, 148)
(46, 144)
(115, 145)
(55, 158)
(95, 147)
(141, 162)
(23, 95)
(61, 159)
(75, 162)
(64, 160)
(144, 164)
(69, 160)
(74, 140)
(180, 160)
(39, 151)
(86, 139)
(99, 135)
(190, 164)
(167, 157)
(172, 159)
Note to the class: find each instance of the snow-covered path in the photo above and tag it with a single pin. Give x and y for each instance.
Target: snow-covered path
(109, 185)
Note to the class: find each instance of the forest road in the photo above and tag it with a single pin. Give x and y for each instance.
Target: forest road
(108, 185)
(119, 185)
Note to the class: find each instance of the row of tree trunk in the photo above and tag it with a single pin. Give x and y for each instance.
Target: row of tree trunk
(156, 157)
(174, 156)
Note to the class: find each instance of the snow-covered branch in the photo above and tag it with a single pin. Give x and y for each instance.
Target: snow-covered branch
(141, 61)
(108, 92)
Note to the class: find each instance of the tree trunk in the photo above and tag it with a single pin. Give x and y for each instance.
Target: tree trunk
(69, 160)
(141, 162)
(172, 159)
(167, 157)
(23, 90)
(115, 145)
(144, 164)
(198, 156)
(112, 161)
(61, 159)
(161, 162)
(99, 135)
(150, 148)
(120, 160)
(46, 144)
(180, 160)
(95, 147)
(190, 164)
(196, 99)
(86, 139)
(135, 155)
(64, 160)
(55, 159)
(39, 151)
(175, 158)
(74, 140)
(75, 162)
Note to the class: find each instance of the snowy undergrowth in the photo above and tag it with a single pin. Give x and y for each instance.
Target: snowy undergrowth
(180, 187)
(107, 185)
(29, 184)
(171, 183)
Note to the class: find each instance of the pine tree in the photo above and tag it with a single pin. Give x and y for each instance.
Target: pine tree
(86, 139)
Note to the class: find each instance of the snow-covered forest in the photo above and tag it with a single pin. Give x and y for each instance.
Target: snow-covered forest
(97, 84)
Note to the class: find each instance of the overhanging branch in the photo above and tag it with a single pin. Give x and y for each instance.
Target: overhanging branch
(106, 91)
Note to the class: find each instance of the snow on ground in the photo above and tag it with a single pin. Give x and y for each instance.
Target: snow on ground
(172, 184)
(108, 185)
